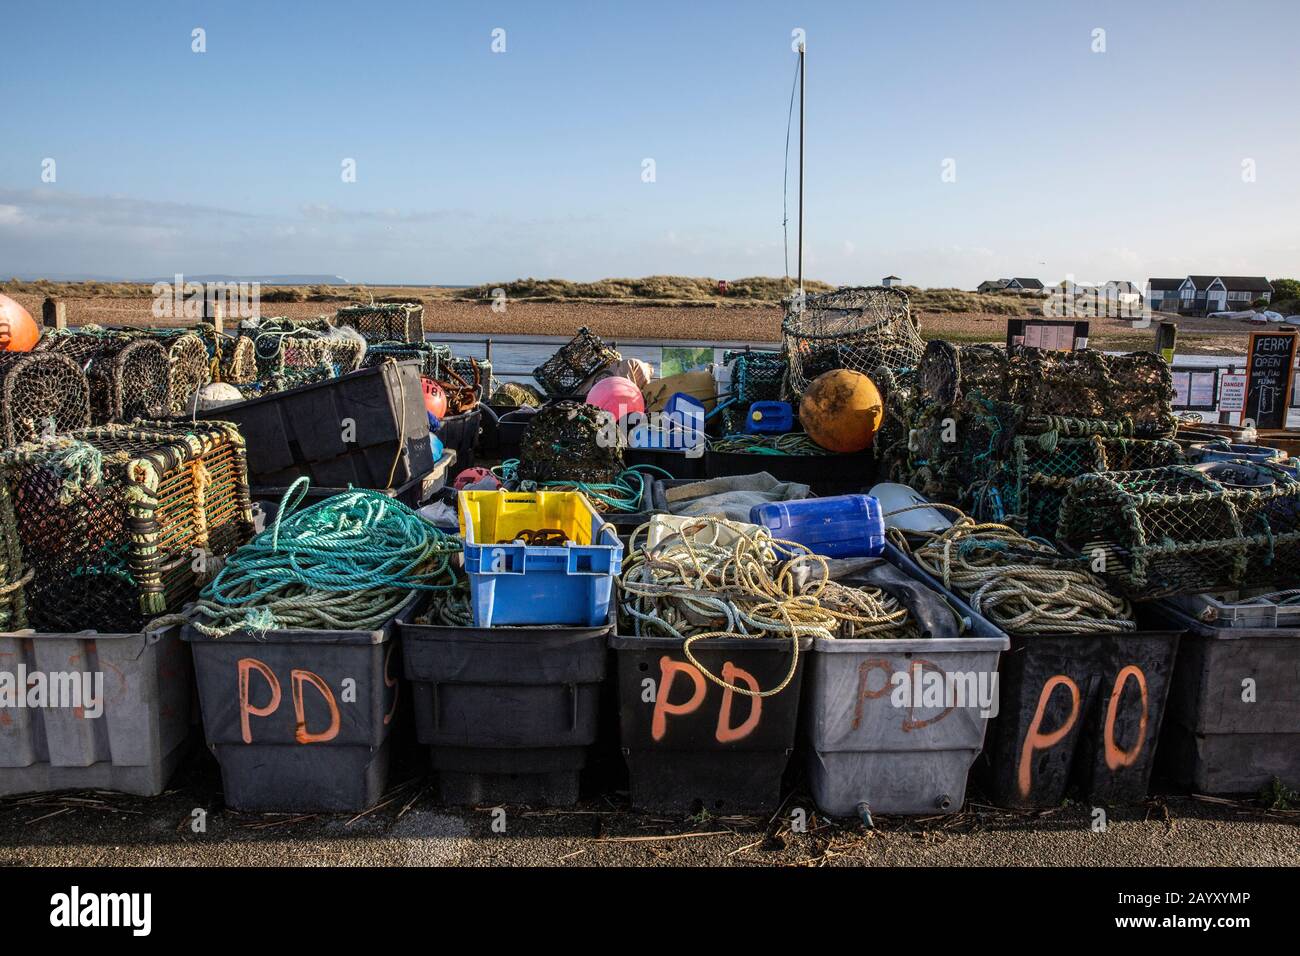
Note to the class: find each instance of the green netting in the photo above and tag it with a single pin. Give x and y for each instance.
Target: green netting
(385, 321)
(1186, 529)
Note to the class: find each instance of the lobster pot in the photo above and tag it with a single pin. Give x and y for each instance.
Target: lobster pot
(465, 372)
(386, 322)
(111, 526)
(861, 329)
(429, 355)
(191, 367)
(287, 348)
(129, 376)
(755, 377)
(1186, 529)
(40, 392)
(1084, 383)
(564, 373)
(235, 355)
(1031, 484)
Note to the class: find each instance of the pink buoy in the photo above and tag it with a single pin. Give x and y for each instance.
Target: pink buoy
(616, 395)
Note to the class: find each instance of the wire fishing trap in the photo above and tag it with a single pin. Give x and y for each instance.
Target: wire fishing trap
(346, 563)
(384, 321)
(190, 365)
(110, 526)
(1024, 586)
(129, 374)
(571, 441)
(41, 393)
(430, 356)
(861, 329)
(564, 373)
(1185, 529)
(696, 579)
(284, 346)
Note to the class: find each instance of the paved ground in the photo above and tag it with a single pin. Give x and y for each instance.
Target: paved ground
(408, 828)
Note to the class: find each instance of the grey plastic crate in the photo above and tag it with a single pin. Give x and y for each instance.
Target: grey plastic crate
(865, 750)
(132, 747)
(331, 757)
(1239, 609)
(1216, 741)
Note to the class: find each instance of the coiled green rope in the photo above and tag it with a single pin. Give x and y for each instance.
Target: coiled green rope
(346, 563)
(622, 495)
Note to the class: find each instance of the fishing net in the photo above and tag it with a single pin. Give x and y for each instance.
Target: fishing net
(1027, 487)
(755, 377)
(564, 372)
(384, 322)
(191, 366)
(571, 441)
(116, 524)
(1186, 529)
(429, 356)
(1084, 383)
(41, 392)
(234, 356)
(516, 395)
(129, 375)
(861, 329)
(283, 344)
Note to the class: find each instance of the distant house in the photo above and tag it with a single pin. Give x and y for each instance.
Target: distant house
(1160, 291)
(1203, 294)
(1010, 285)
(890, 281)
(1121, 290)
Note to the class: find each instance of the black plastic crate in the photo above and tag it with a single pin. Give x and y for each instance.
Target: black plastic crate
(368, 429)
(825, 474)
(508, 713)
(414, 493)
(324, 746)
(690, 744)
(460, 434)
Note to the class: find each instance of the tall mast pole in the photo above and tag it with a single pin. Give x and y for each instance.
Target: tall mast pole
(802, 51)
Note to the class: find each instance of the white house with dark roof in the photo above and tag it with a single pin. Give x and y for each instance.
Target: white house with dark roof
(1203, 294)
(1011, 285)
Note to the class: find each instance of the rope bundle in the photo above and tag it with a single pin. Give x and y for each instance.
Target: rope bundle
(346, 563)
(1006, 578)
(721, 579)
(791, 443)
(622, 495)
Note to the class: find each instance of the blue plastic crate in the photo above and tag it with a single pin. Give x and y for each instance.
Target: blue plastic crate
(518, 584)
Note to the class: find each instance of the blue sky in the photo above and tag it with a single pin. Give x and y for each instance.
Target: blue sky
(474, 166)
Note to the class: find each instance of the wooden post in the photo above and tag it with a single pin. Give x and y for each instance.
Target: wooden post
(487, 350)
(54, 314)
(1166, 340)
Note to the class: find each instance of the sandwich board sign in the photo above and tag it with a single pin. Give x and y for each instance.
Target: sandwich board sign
(1270, 367)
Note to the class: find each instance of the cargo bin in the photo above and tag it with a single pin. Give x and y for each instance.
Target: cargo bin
(299, 720)
(1218, 737)
(865, 752)
(1077, 713)
(368, 429)
(416, 492)
(677, 463)
(690, 744)
(132, 747)
(508, 713)
(825, 474)
(523, 584)
(460, 434)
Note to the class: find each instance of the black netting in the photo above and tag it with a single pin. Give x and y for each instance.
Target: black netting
(569, 368)
(129, 375)
(861, 329)
(385, 322)
(1186, 529)
(41, 393)
(284, 346)
(429, 355)
(117, 524)
(571, 441)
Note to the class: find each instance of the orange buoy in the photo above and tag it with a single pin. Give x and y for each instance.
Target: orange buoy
(435, 399)
(841, 410)
(18, 330)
